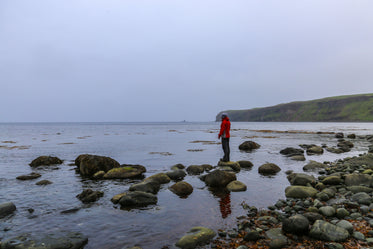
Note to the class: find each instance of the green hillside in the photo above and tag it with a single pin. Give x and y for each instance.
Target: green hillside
(349, 108)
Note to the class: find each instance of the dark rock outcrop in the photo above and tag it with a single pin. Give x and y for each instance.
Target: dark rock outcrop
(45, 161)
(219, 178)
(88, 165)
(88, 195)
(30, 176)
(7, 208)
(290, 151)
(136, 199)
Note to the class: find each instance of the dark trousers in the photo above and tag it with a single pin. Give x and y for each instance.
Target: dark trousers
(225, 144)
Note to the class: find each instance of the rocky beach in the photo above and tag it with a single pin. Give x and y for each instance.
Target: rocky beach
(326, 204)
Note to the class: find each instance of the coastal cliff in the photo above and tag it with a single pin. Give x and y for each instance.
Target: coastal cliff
(349, 108)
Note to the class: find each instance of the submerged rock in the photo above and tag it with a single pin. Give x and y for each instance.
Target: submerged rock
(45, 161)
(30, 176)
(43, 182)
(290, 151)
(197, 236)
(60, 240)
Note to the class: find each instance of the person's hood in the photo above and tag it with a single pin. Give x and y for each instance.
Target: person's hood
(226, 118)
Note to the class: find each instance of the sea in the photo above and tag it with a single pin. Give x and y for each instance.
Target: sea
(157, 146)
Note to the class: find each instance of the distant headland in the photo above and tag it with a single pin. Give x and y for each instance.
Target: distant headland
(348, 108)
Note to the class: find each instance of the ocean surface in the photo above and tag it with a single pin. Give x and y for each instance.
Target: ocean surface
(157, 146)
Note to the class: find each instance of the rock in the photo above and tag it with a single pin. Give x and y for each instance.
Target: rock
(99, 175)
(117, 197)
(297, 224)
(161, 178)
(358, 236)
(269, 169)
(182, 189)
(301, 179)
(30, 176)
(339, 135)
(249, 146)
(236, 186)
(277, 243)
(358, 179)
(357, 189)
(252, 236)
(43, 182)
(197, 236)
(315, 150)
(326, 231)
(327, 211)
(352, 136)
(146, 186)
(176, 175)
(341, 213)
(313, 216)
(344, 144)
(195, 169)
(135, 199)
(334, 150)
(298, 158)
(88, 195)
(278, 240)
(362, 198)
(300, 192)
(125, 172)
(313, 165)
(219, 178)
(233, 165)
(6, 209)
(346, 225)
(59, 239)
(245, 164)
(332, 180)
(45, 161)
(177, 166)
(289, 151)
(334, 246)
(90, 164)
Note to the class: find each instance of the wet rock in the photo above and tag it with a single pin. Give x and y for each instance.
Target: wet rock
(30, 176)
(7, 208)
(45, 161)
(300, 192)
(125, 171)
(298, 158)
(235, 166)
(236, 186)
(137, 199)
(352, 136)
(249, 146)
(245, 164)
(315, 150)
(60, 240)
(146, 186)
(332, 180)
(160, 178)
(358, 179)
(289, 151)
(178, 166)
(99, 175)
(219, 178)
(88, 195)
(195, 169)
(88, 165)
(269, 169)
(339, 135)
(70, 211)
(43, 182)
(334, 150)
(326, 231)
(117, 197)
(297, 224)
(176, 175)
(313, 165)
(301, 179)
(182, 189)
(197, 236)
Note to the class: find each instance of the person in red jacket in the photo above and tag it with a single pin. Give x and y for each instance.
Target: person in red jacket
(225, 135)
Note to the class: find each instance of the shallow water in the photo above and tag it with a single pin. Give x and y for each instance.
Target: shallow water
(157, 146)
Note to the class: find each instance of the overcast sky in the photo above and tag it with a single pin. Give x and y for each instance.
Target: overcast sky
(174, 60)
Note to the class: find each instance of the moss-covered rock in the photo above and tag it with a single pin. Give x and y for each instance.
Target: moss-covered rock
(197, 236)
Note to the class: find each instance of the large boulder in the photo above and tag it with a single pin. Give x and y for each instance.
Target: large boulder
(313, 165)
(315, 150)
(137, 199)
(297, 224)
(6, 209)
(126, 171)
(88, 165)
(45, 161)
(236, 186)
(146, 186)
(300, 192)
(323, 230)
(249, 146)
(88, 195)
(301, 179)
(219, 178)
(269, 169)
(358, 179)
(57, 239)
(290, 151)
(182, 189)
(197, 236)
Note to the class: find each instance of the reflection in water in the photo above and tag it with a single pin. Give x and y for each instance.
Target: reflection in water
(225, 205)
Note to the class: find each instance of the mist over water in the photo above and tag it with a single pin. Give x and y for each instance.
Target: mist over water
(157, 146)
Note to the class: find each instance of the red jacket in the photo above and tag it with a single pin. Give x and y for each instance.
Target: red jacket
(225, 128)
